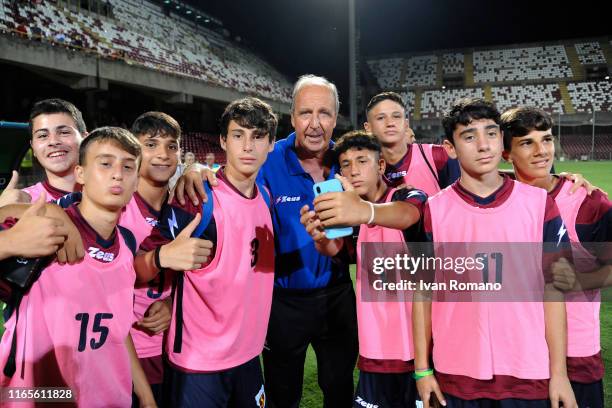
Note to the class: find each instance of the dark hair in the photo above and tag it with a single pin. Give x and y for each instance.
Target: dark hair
(357, 139)
(251, 113)
(385, 96)
(50, 106)
(119, 136)
(156, 124)
(518, 122)
(464, 111)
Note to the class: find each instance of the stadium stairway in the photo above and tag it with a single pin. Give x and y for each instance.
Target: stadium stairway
(488, 93)
(417, 104)
(607, 51)
(439, 71)
(86, 29)
(468, 63)
(568, 106)
(575, 64)
(402, 79)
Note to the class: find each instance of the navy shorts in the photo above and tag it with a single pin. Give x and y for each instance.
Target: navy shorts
(454, 402)
(378, 390)
(589, 395)
(240, 386)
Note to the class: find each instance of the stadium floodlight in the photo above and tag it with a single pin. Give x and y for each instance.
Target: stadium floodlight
(166, 1)
(607, 77)
(188, 11)
(207, 20)
(198, 17)
(178, 7)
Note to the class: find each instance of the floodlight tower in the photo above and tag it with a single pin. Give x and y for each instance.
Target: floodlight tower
(353, 63)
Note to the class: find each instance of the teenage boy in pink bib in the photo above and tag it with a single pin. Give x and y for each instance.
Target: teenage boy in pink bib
(530, 146)
(159, 136)
(57, 129)
(425, 166)
(222, 299)
(490, 353)
(71, 328)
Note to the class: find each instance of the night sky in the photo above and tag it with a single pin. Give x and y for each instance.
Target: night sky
(311, 36)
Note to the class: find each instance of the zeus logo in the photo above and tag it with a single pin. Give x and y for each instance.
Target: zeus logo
(97, 253)
(172, 224)
(365, 404)
(415, 193)
(397, 174)
(561, 233)
(287, 199)
(151, 221)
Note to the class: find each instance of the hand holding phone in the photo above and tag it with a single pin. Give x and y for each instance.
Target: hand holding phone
(332, 186)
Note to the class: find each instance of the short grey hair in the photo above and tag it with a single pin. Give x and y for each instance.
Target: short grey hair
(308, 80)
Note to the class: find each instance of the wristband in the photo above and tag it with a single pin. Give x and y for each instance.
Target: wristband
(417, 375)
(371, 220)
(156, 258)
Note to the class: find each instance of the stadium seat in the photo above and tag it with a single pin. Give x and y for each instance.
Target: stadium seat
(433, 103)
(518, 64)
(452, 63)
(387, 72)
(142, 35)
(586, 95)
(547, 97)
(590, 53)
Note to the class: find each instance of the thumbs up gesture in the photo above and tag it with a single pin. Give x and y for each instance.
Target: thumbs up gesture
(36, 234)
(12, 195)
(186, 253)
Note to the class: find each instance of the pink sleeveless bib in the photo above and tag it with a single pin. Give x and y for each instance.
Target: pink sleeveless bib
(419, 175)
(583, 329)
(72, 329)
(146, 343)
(36, 190)
(385, 328)
(483, 339)
(226, 305)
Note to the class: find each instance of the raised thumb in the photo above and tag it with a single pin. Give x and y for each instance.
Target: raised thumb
(12, 184)
(38, 207)
(188, 230)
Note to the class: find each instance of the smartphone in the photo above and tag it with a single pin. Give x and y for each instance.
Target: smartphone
(332, 186)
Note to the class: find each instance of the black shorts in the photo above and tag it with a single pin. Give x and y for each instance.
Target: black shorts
(378, 390)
